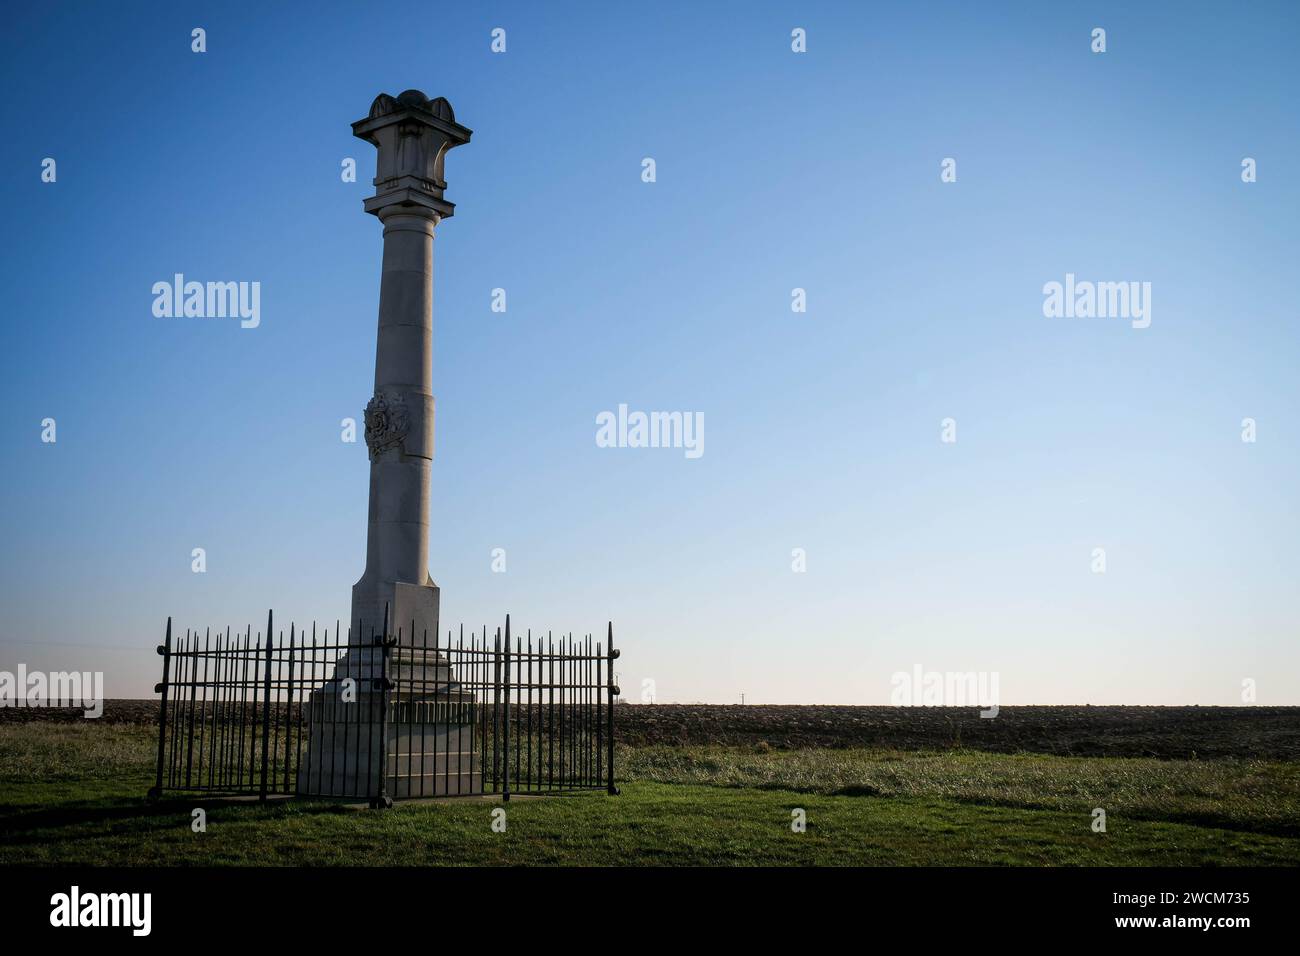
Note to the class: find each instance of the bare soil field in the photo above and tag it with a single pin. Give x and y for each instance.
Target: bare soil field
(1166, 732)
(1269, 733)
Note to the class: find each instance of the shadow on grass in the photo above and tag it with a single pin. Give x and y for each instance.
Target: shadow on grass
(1198, 818)
(29, 826)
(858, 790)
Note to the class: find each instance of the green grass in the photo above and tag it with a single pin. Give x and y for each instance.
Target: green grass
(72, 794)
(1249, 795)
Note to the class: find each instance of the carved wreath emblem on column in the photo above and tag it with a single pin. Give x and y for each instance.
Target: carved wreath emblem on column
(387, 422)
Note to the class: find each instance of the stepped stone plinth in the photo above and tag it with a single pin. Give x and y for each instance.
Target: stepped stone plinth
(427, 742)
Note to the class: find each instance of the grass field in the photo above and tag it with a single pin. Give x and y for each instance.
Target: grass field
(71, 793)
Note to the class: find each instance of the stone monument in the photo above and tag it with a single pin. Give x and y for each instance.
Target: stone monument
(412, 134)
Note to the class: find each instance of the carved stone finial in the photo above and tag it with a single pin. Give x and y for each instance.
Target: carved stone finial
(412, 133)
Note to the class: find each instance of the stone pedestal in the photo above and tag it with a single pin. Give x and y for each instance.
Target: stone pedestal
(430, 736)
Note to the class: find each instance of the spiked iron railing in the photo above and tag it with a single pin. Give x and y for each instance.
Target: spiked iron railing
(390, 715)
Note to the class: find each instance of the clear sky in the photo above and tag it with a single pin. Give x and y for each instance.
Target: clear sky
(774, 170)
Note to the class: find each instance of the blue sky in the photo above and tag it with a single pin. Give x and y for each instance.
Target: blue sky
(775, 170)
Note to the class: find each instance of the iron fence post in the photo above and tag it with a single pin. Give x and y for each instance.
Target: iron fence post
(289, 749)
(165, 649)
(496, 704)
(382, 801)
(613, 692)
(505, 728)
(266, 708)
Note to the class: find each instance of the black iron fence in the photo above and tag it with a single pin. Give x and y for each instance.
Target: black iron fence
(385, 715)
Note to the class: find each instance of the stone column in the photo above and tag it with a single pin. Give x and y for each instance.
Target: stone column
(412, 134)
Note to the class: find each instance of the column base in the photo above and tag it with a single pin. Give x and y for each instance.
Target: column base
(432, 744)
(412, 609)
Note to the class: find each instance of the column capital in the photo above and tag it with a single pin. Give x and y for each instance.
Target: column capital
(412, 134)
